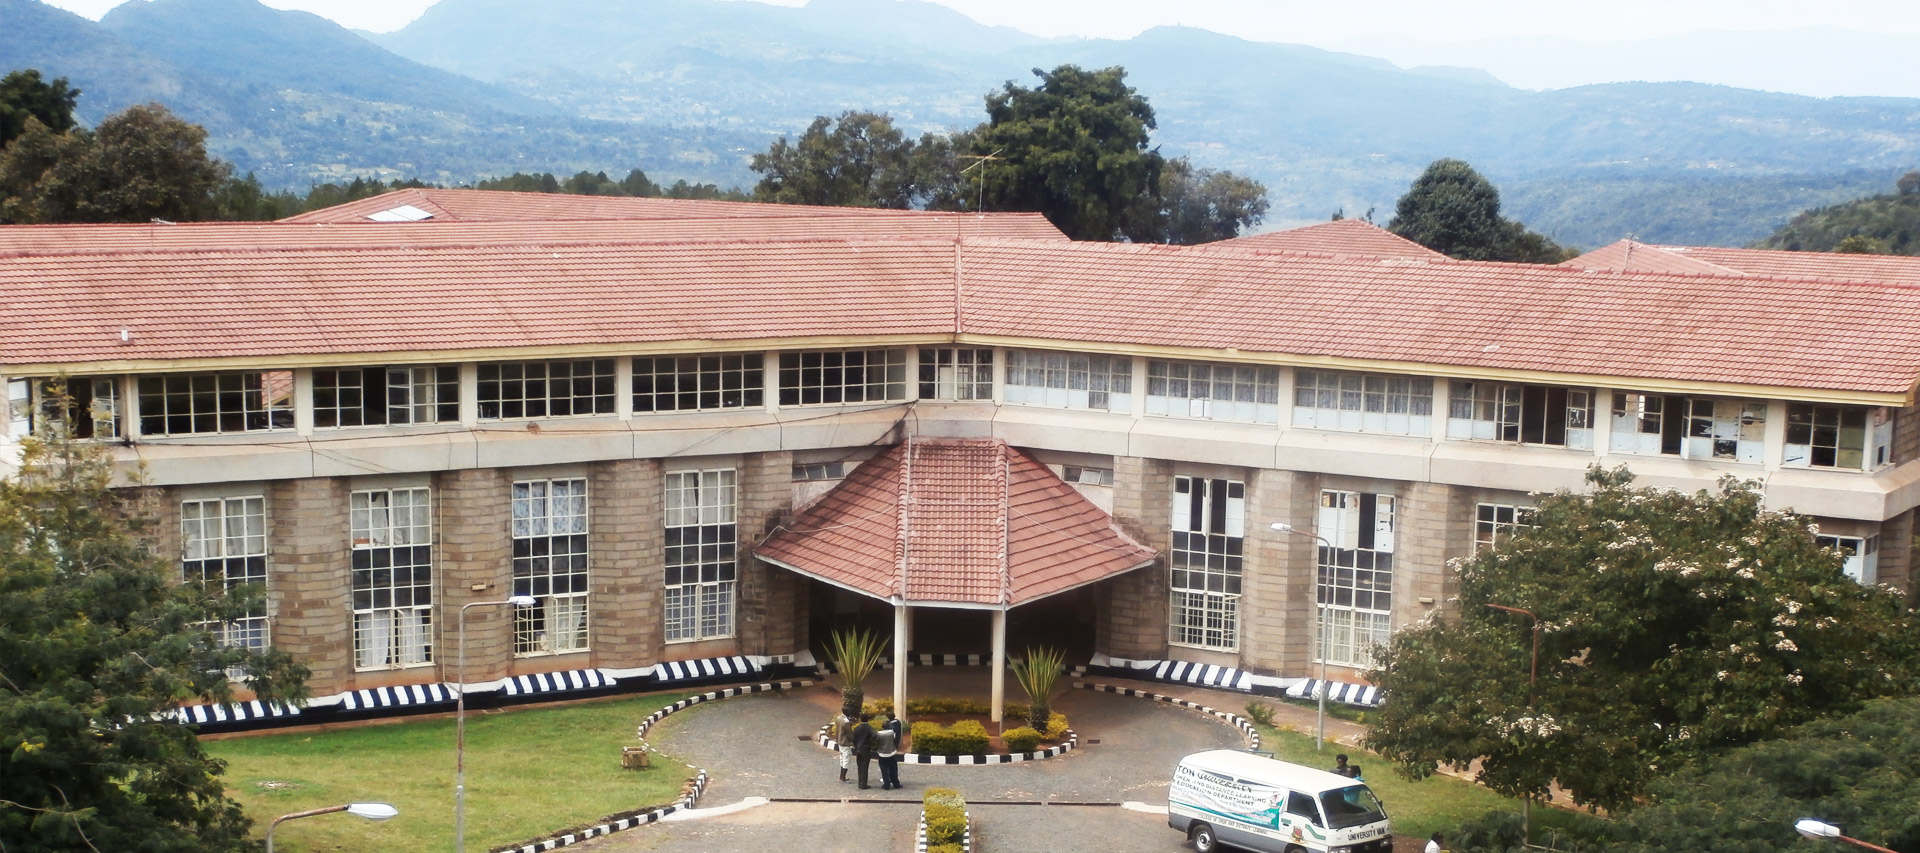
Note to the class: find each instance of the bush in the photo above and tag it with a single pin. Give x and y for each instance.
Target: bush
(945, 848)
(1056, 725)
(1022, 739)
(1260, 712)
(966, 737)
(946, 816)
(946, 796)
(947, 705)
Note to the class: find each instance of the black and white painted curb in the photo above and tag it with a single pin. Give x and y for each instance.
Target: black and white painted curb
(1217, 677)
(715, 696)
(825, 738)
(1245, 726)
(920, 835)
(923, 659)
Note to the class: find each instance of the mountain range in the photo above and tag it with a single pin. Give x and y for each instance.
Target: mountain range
(690, 89)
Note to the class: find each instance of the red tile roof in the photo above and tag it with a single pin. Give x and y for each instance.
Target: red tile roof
(1339, 237)
(1628, 255)
(495, 206)
(955, 521)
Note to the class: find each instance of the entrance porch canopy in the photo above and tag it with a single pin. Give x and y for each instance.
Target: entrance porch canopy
(954, 523)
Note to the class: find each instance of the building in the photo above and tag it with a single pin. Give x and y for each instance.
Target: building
(706, 432)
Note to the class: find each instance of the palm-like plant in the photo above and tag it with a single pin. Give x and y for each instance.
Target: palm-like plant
(1037, 673)
(855, 654)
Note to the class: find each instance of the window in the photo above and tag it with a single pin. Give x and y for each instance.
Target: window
(1363, 402)
(850, 376)
(1498, 521)
(215, 403)
(1221, 392)
(1209, 529)
(224, 541)
(1087, 476)
(91, 405)
(700, 554)
(820, 471)
(392, 560)
(1102, 383)
(1528, 414)
(372, 396)
(1851, 437)
(1690, 427)
(546, 389)
(956, 374)
(19, 408)
(1355, 589)
(1861, 555)
(550, 564)
(698, 383)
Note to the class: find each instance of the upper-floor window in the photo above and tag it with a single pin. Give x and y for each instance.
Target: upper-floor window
(223, 541)
(390, 542)
(215, 403)
(1363, 402)
(1851, 437)
(695, 383)
(1221, 392)
(372, 396)
(546, 389)
(1693, 427)
(1528, 414)
(550, 564)
(1103, 383)
(90, 405)
(819, 471)
(816, 377)
(956, 374)
(1860, 555)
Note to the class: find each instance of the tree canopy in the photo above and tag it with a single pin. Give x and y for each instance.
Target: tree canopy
(1203, 205)
(857, 160)
(140, 164)
(1671, 627)
(1453, 210)
(1888, 224)
(98, 643)
(24, 95)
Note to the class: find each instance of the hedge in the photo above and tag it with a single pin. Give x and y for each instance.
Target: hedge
(967, 737)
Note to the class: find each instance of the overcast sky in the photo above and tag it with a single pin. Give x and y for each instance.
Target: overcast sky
(1878, 58)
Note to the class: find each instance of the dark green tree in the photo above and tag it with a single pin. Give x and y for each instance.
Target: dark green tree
(244, 200)
(857, 160)
(98, 643)
(140, 164)
(1453, 210)
(1074, 148)
(24, 95)
(1671, 627)
(1203, 205)
(1858, 244)
(637, 185)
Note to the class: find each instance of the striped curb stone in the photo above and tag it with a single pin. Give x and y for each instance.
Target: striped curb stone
(1246, 728)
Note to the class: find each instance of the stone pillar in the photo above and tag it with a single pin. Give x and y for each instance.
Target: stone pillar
(1132, 608)
(475, 563)
(626, 572)
(1432, 522)
(765, 593)
(1278, 573)
(310, 578)
(1896, 555)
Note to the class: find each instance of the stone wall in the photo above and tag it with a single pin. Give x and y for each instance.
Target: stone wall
(1132, 608)
(624, 574)
(474, 557)
(310, 578)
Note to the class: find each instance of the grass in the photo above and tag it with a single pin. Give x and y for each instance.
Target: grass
(1417, 809)
(529, 772)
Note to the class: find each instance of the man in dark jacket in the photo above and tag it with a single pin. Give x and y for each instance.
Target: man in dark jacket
(863, 748)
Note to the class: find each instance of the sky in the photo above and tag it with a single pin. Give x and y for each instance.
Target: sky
(1861, 47)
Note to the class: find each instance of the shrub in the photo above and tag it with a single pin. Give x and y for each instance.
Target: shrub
(945, 848)
(1260, 712)
(1056, 725)
(946, 796)
(966, 737)
(1022, 739)
(947, 829)
(946, 816)
(947, 705)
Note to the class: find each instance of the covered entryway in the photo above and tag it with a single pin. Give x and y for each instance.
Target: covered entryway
(950, 533)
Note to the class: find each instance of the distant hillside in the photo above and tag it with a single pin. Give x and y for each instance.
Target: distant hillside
(1886, 224)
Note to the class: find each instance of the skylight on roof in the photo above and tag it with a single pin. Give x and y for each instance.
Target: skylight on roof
(403, 213)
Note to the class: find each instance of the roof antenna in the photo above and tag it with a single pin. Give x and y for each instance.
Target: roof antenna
(979, 206)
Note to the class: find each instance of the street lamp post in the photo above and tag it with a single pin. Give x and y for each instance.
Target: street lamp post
(460, 722)
(1812, 828)
(370, 811)
(1320, 610)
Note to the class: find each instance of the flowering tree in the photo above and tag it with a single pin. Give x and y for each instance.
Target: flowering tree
(1670, 627)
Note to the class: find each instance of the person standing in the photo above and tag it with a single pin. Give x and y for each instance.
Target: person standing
(889, 749)
(843, 738)
(863, 748)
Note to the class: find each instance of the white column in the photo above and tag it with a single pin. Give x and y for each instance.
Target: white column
(900, 661)
(999, 665)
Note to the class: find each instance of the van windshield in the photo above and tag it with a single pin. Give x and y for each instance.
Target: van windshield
(1354, 805)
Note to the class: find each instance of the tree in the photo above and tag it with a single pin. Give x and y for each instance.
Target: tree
(1075, 149)
(1202, 205)
(1453, 210)
(97, 646)
(1671, 627)
(140, 164)
(856, 160)
(1858, 244)
(24, 95)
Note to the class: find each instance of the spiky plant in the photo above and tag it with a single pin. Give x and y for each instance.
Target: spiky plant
(855, 654)
(1037, 673)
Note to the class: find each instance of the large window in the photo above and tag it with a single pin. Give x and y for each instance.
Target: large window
(842, 376)
(1363, 402)
(698, 383)
(1209, 530)
(215, 403)
(1103, 383)
(546, 389)
(1692, 427)
(392, 543)
(956, 374)
(1355, 589)
(1861, 555)
(1494, 522)
(700, 554)
(1220, 392)
(550, 564)
(224, 541)
(90, 406)
(1528, 414)
(1851, 437)
(372, 396)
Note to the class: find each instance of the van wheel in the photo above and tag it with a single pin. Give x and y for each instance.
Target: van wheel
(1203, 838)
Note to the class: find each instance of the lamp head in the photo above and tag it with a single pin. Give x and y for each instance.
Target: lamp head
(521, 600)
(1816, 828)
(1282, 526)
(372, 811)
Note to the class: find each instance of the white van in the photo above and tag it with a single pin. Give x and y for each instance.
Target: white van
(1225, 796)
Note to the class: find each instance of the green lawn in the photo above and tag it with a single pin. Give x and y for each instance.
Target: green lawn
(529, 772)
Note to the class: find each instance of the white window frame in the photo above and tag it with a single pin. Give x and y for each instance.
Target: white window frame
(218, 536)
(29, 401)
(1206, 565)
(1826, 439)
(1498, 411)
(551, 562)
(390, 539)
(950, 373)
(1244, 393)
(702, 563)
(1354, 587)
(1494, 522)
(1069, 380)
(1860, 553)
(1721, 429)
(419, 394)
(1363, 402)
